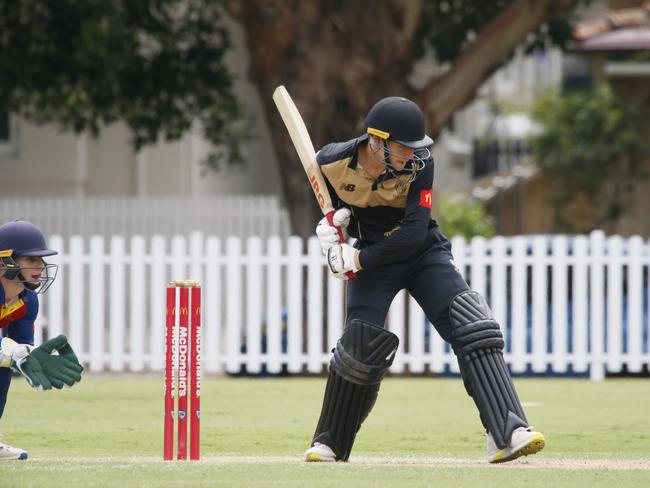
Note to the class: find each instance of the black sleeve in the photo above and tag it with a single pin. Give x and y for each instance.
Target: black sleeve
(413, 230)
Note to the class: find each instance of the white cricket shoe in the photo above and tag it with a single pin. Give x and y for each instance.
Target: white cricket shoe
(8, 453)
(524, 441)
(319, 453)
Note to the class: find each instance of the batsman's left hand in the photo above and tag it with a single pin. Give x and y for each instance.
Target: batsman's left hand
(342, 259)
(328, 235)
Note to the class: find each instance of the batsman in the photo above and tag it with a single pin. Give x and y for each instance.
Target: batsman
(23, 275)
(381, 184)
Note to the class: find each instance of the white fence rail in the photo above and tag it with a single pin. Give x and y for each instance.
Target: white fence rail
(566, 305)
(241, 216)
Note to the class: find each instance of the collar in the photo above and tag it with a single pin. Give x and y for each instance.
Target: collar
(355, 150)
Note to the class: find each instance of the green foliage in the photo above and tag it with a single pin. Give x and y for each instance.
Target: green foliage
(158, 65)
(446, 27)
(593, 145)
(467, 219)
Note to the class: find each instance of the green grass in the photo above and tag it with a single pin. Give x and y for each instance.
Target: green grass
(107, 431)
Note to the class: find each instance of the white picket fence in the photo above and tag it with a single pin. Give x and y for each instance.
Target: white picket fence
(223, 216)
(566, 304)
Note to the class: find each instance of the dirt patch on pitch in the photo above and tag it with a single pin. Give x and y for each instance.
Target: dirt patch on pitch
(530, 462)
(378, 461)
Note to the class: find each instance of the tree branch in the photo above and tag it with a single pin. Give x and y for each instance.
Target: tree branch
(451, 91)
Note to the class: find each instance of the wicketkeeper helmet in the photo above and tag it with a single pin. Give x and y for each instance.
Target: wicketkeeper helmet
(24, 239)
(20, 238)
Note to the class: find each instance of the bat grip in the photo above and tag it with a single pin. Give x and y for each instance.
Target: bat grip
(330, 219)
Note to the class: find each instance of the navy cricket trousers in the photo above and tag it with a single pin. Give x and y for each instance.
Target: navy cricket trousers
(430, 276)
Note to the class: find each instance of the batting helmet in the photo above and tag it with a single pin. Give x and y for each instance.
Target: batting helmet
(400, 120)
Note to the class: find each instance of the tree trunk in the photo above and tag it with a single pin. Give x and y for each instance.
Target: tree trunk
(333, 73)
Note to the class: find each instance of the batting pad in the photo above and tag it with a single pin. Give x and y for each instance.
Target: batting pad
(361, 358)
(478, 343)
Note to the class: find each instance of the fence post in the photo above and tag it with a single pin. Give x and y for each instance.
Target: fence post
(253, 308)
(137, 322)
(560, 304)
(233, 304)
(335, 310)
(55, 294)
(295, 292)
(539, 305)
(212, 306)
(396, 315)
(97, 304)
(614, 303)
(597, 282)
(519, 325)
(417, 326)
(77, 294)
(314, 306)
(159, 278)
(635, 305)
(498, 285)
(478, 265)
(116, 308)
(274, 305)
(580, 300)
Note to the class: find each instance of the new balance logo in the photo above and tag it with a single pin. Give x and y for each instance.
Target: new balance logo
(347, 187)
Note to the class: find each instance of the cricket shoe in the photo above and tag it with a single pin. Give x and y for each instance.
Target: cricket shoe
(524, 441)
(319, 453)
(8, 453)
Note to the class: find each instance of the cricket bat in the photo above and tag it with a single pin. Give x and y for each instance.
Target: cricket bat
(305, 149)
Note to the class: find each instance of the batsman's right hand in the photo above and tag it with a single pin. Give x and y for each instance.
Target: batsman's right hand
(328, 235)
(52, 364)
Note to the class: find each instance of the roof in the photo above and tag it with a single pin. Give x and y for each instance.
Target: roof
(488, 187)
(625, 29)
(625, 39)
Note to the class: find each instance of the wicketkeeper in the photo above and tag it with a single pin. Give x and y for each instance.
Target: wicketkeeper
(381, 183)
(24, 274)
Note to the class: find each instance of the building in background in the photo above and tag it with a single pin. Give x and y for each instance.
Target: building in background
(611, 46)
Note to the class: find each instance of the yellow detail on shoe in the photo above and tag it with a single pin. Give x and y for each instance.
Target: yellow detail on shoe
(313, 457)
(535, 444)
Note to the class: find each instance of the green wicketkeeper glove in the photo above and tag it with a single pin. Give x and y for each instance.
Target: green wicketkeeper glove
(52, 364)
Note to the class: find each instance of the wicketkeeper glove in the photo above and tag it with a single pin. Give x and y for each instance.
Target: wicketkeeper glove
(328, 235)
(52, 364)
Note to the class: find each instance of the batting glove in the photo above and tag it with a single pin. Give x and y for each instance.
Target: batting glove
(328, 235)
(342, 259)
